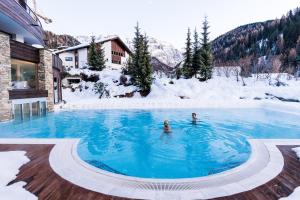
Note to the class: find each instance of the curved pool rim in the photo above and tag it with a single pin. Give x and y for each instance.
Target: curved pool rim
(264, 164)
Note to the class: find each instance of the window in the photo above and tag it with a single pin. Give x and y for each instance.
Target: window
(68, 58)
(116, 62)
(23, 74)
(22, 3)
(118, 53)
(74, 81)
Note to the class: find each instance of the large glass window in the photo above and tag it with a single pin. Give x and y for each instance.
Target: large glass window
(68, 58)
(23, 74)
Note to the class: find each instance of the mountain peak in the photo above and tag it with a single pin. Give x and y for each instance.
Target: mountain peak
(163, 51)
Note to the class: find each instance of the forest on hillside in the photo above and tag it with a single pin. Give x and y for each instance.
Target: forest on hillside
(271, 46)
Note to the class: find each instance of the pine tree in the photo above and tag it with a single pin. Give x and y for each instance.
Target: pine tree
(96, 59)
(298, 49)
(298, 52)
(146, 68)
(140, 67)
(187, 65)
(206, 53)
(136, 56)
(196, 61)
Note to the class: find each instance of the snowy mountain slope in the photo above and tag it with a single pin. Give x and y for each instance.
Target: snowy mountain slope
(53, 41)
(163, 51)
(87, 39)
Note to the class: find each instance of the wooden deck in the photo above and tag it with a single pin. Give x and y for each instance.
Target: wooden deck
(43, 182)
(46, 184)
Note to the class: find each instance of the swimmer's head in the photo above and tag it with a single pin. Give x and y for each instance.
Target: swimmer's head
(166, 123)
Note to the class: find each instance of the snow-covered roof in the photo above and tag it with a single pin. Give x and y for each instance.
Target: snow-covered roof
(85, 45)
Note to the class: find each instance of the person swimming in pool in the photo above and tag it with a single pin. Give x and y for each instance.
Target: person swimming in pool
(194, 118)
(167, 128)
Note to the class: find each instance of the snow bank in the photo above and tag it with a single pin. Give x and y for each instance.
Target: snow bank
(223, 90)
(108, 76)
(10, 163)
(297, 151)
(294, 196)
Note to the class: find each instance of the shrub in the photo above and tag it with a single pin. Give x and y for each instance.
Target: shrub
(92, 78)
(123, 80)
(100, 89)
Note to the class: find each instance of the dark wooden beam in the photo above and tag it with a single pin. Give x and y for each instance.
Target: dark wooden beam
(24, 52)
(27, 94)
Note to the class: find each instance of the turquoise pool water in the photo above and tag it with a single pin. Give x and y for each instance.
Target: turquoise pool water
(133, 143)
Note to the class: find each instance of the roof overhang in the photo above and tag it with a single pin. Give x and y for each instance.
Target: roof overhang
(15, 20)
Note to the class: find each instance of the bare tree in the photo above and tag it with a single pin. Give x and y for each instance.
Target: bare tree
(276, 64)
(245, 65)
(236, 71)
(227, 71)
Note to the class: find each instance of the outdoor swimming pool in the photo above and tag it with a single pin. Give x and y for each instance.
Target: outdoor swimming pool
(132, 143)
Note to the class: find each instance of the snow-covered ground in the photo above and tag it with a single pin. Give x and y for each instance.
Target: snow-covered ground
(222, 90)
(9, 167)
(294, 196)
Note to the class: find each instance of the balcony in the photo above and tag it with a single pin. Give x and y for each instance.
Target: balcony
(16, 18)
(57, 63)
(29, 11)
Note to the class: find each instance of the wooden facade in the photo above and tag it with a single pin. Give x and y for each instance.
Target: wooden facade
(24, 52)
(118, 51)
(26, 94)
(57, 77)
(116, 47)
(57, 63)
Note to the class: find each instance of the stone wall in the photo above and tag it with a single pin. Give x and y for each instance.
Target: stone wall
(45, 76)
(5, 78)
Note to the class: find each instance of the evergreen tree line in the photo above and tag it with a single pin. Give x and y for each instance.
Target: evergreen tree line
(198, 55)
(139, 65)
(278, 37)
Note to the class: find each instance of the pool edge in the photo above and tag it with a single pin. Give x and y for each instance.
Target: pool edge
(264, 164)
(241, 179)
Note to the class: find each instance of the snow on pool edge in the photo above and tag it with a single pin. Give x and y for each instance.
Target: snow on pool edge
(9, 168)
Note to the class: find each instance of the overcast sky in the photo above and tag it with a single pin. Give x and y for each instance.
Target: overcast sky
(166, 20)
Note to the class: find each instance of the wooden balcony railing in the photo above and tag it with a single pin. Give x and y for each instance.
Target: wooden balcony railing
(57, 63)
(23, 4)
(21, 15)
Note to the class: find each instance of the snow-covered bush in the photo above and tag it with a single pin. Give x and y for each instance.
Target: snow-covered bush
(100, 89)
